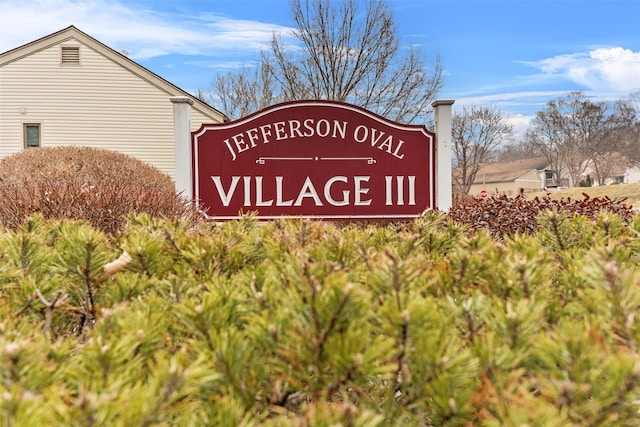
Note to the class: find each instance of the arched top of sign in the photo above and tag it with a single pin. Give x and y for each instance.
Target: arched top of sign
(348, 108)
(314, 159)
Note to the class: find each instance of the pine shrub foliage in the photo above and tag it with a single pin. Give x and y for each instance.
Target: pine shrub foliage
(299, 323)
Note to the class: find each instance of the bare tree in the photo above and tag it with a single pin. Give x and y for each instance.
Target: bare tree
(521, 149)
(348, 51)
(610, 163)
(627, 130)
(545, 134)
(476, 131)
(576, 134)
(248, 90)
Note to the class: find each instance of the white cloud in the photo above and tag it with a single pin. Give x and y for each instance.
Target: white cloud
(506, 98)
(612, 69)
(142, 32)
(520, 124)
(509, 103)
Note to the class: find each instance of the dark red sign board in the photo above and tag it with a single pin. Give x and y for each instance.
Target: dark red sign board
(314, 159)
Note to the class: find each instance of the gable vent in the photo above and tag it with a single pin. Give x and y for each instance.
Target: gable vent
(70, 55)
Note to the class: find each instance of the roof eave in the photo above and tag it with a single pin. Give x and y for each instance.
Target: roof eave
(144, 73)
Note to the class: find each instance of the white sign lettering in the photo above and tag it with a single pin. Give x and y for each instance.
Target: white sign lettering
(308, 128)
(352, 192)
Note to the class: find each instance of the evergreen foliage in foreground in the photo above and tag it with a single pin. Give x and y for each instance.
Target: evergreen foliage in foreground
(299, 323)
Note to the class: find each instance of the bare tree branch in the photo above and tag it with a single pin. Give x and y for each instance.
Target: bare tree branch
(348, 51)
(476, 132)
(577, 134)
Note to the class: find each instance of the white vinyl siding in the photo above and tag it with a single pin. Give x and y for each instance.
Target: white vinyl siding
(98, 103)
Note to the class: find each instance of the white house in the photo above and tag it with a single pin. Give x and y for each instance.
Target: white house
(68, 88)
(631, 175)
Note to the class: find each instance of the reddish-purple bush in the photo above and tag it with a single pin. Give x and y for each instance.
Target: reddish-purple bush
(98, 186)
(503, 216)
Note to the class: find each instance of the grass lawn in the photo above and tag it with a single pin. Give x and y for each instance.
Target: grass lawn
(620, 191)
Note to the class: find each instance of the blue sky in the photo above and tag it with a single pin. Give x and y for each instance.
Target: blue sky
(514, 55)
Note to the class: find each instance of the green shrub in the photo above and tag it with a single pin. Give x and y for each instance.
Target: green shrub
(299, 323)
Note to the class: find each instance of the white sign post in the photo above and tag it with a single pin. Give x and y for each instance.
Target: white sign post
(444, 191)
(182, 141)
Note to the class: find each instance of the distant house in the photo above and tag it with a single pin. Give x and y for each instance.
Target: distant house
(68, 88)
(512, 177)
(615, 168)
(630, 175)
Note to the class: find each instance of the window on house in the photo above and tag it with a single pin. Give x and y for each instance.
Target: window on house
(31, 135)
(70, 55)
(548, 175)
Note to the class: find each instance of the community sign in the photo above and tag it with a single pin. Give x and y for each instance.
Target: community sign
(314, 159)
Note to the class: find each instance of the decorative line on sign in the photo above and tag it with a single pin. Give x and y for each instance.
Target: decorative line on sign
(263, 160)
(369, 160)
